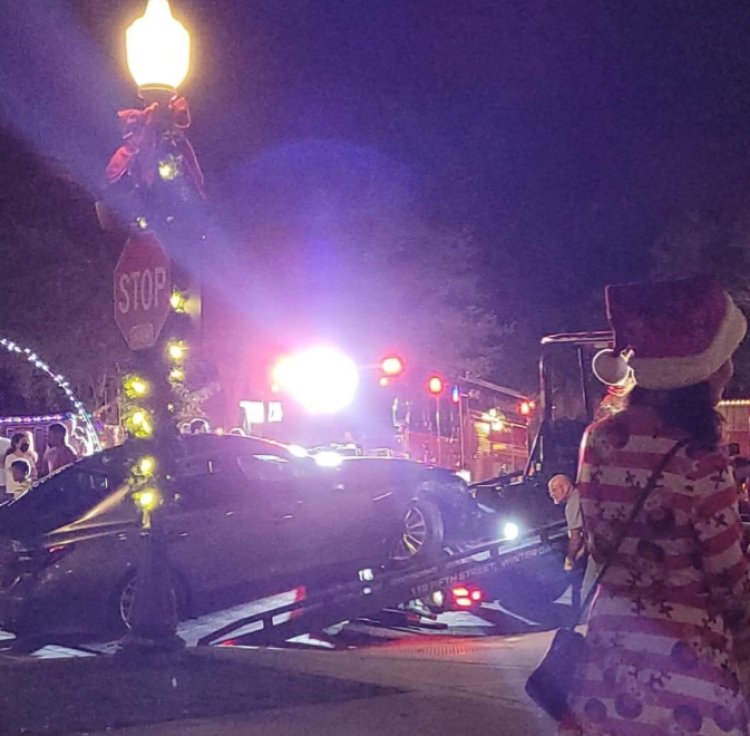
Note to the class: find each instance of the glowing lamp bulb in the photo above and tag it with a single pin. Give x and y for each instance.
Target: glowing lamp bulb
(147, 499)
(176, 350)
(139, 423)
(168, 169)
(158, 48)
(178, 301)
(135, 387)
(146, 465)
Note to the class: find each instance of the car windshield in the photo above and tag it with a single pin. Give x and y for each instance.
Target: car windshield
(64, 496)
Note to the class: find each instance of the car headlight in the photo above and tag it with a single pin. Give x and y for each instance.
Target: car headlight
(511, 530)
(328, 459)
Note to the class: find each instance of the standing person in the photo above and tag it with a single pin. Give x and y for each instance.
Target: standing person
(4, 447)
(81, 443)
(59, 453)
(562, 490)
(20, 449)
(668, 640)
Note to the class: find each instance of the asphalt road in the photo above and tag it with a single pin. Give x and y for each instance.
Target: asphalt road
(465, 672)
(443, 685)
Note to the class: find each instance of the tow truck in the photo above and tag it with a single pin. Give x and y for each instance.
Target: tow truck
(519, 563)
(516, 559)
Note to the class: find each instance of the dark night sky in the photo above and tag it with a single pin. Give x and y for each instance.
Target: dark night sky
(563, 134)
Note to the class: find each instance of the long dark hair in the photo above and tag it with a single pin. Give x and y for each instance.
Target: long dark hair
(15, 441)
(689, 409)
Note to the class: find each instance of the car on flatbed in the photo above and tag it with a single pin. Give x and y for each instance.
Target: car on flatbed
(246, 517)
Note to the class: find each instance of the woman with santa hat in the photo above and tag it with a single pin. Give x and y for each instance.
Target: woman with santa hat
(668, 639)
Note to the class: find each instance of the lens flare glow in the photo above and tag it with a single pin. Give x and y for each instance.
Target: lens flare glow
(321, 379)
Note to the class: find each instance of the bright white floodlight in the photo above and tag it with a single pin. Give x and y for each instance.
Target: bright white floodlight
(322, 379)
(511, 530)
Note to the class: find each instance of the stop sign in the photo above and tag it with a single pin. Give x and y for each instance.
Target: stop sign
(143, 285)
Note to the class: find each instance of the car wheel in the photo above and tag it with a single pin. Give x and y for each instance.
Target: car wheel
(125, 597)
(421, 535)
(125, 603)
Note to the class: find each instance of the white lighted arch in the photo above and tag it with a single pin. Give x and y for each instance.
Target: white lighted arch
(80, 410)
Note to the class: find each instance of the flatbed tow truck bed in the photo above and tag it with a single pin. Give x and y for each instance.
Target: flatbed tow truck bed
(376, 590)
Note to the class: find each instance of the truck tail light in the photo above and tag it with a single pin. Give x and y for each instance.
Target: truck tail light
(467, 596)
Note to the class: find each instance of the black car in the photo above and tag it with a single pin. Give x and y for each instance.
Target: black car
(248, 517)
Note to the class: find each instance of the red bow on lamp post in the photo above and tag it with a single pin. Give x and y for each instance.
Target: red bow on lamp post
(150, 136)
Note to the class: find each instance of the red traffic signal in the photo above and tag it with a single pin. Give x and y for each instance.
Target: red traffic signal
(435, 385)
(392, 365)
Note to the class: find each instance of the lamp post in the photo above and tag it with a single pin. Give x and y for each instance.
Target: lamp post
(164, 181)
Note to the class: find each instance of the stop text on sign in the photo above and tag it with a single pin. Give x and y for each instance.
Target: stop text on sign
(142, 291)
(142, 287)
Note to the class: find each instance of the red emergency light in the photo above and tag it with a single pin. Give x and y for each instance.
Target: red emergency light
(392, 366)
(435, 385)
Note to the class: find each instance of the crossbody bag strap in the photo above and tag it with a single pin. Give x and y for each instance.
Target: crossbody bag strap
(650, 485)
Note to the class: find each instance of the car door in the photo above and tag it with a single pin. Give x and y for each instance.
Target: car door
(217, 537)
(312, 517)
(273, 481)
(347, 509)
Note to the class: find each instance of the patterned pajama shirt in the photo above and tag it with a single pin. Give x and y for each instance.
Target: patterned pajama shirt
(669, 629)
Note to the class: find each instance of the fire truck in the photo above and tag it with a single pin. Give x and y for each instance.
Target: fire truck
(473, 426)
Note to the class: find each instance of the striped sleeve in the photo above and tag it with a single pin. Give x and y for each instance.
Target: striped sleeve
(717, 524)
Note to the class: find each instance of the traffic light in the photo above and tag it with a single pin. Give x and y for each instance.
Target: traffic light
(392, 366)
(456, 395)
(435, 385)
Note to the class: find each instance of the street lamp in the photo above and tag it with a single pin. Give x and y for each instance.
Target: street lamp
(155, 150)
(158, 49)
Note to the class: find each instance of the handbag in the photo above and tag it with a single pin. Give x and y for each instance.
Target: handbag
(550, 684)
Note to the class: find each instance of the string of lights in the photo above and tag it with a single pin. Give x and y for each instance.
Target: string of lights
(60, 381)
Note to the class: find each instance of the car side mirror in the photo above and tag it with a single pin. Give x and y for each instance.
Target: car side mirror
(487, 496)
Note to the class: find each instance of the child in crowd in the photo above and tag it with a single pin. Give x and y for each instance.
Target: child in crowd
(20, 471)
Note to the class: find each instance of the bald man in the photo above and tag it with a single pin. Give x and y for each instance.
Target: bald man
(562, 490)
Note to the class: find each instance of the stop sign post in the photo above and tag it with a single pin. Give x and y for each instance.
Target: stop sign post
(143, 281)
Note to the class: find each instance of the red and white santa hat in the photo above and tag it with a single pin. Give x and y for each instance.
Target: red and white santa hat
(669, 334)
